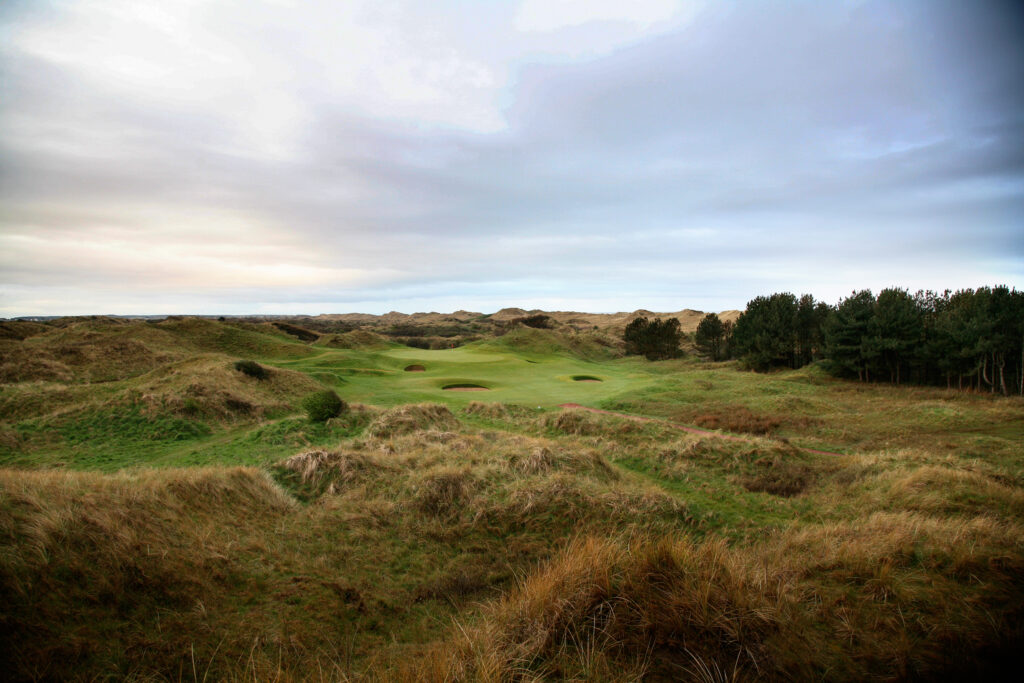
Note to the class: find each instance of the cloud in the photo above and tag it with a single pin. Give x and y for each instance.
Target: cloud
(251, 156)
(538, 15)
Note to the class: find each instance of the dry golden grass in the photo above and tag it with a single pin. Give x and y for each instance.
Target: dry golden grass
(444, 491)
(83, 351)
(574, 421)
(895, 595)
(85, 555)
(410, 418)
(340, 468)
(540, 456)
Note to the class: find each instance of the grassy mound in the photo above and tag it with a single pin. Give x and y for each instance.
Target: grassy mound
(90, 563)
(240, 340)
(209, 387)
(78, 356)
(356, 339)
(406, 419)
(624, 610)
(21, 329)
(541, 342)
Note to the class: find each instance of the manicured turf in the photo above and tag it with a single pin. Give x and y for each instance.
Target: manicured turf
(546, 380)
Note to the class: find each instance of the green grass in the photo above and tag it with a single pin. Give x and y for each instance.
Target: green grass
(529, 378)
(812, 409)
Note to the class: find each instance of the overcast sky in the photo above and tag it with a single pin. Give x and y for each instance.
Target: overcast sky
(316, 156)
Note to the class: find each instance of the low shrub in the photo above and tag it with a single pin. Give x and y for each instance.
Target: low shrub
(323, 405)
(252, 369)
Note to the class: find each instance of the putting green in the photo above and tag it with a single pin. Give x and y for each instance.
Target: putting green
(378, 376)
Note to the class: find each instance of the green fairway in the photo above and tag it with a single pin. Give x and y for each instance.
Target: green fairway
(380, 378)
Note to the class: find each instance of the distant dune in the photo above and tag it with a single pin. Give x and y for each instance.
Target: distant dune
(688, 318)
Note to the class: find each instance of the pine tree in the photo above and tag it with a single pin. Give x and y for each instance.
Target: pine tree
(894, 332)
(654, 339)
(764, 336)
(710, 336)
(845, 332)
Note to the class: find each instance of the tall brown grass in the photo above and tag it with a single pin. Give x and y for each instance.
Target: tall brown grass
(895, 596)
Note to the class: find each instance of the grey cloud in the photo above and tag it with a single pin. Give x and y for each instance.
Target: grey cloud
(788, 132)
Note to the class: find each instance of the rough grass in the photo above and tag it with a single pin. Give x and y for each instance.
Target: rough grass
(405, 419)
(355, 339)
(842, 601)
(394, 532)
(493, 541)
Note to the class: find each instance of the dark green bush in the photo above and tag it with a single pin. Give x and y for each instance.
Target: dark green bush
(323, 405)
(252, 369)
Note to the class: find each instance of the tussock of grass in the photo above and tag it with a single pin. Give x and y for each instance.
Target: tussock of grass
(445, 491)
(533, 501)
(573, 421)
(739, 419)
(405, 419)
(842, 601)
(538, 458)
(623, 610)
(936, 489)
(779, 476)
(20, 366)
(317, 472)
(592, 346)
(235, 339)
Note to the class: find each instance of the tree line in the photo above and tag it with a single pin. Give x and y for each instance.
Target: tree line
(968, 339)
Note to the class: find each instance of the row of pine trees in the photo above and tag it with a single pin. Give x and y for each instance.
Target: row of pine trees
(969, 339)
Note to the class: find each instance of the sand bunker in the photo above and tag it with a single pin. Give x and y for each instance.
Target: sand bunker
(464, 387)
(415, 368)
(585, 378)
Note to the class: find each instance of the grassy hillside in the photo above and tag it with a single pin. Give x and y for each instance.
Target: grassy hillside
(164, 516)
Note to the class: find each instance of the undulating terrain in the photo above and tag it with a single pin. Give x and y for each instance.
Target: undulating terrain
(166, 516)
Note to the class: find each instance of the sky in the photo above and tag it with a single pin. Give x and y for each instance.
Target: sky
(315, 156)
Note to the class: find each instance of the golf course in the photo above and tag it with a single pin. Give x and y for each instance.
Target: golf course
(512, 377)
(526, 504)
